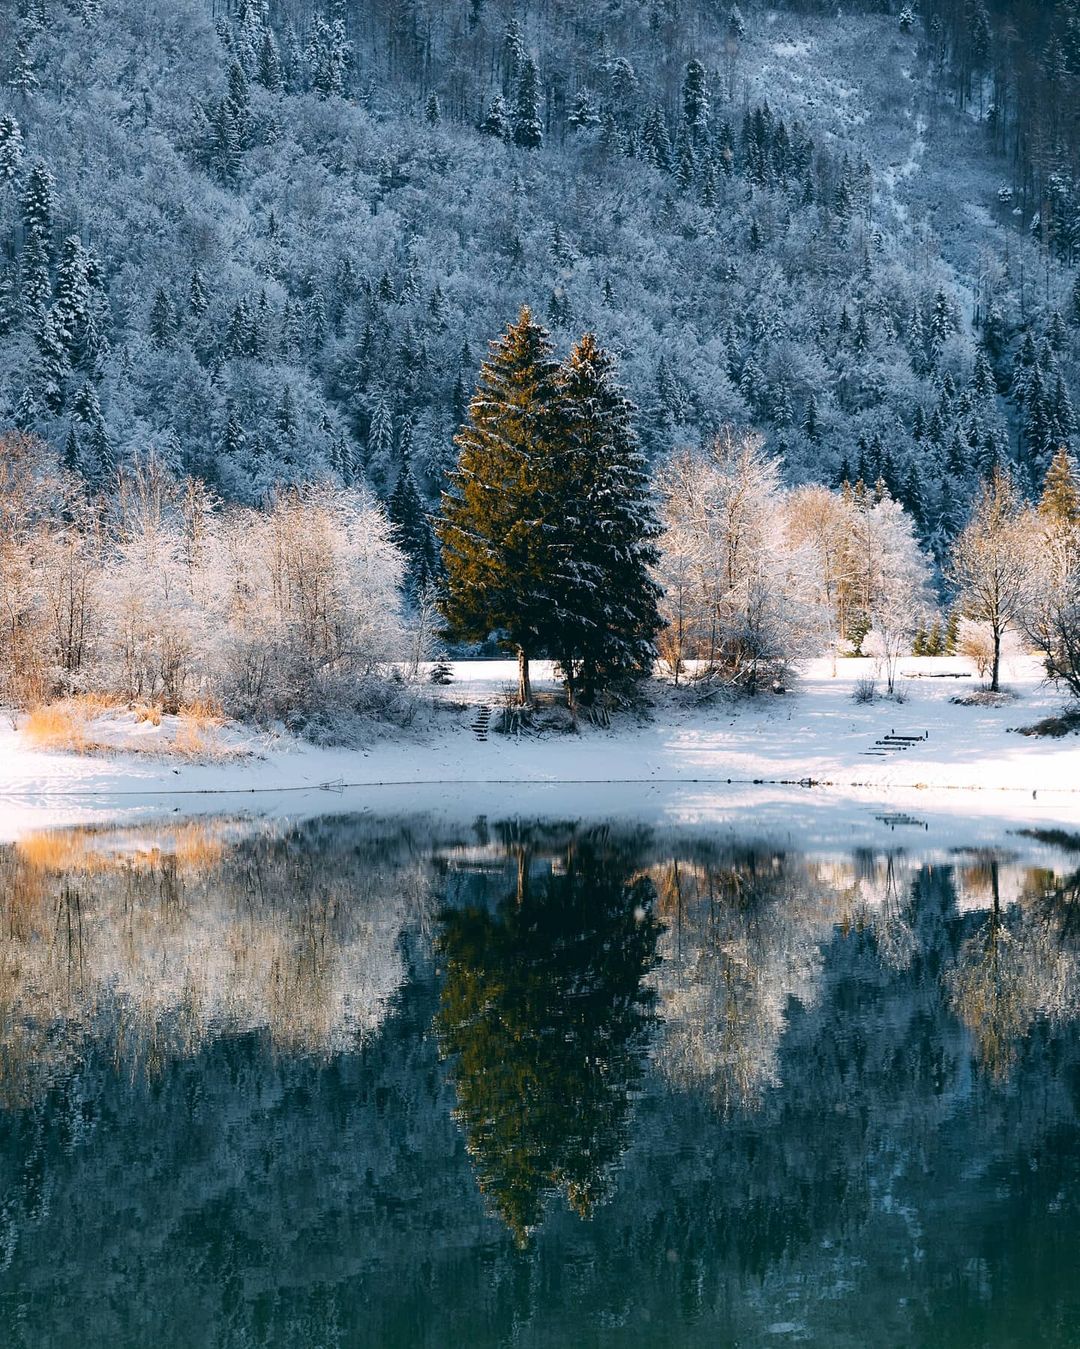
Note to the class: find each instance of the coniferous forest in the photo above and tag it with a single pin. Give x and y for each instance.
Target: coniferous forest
(253, 256)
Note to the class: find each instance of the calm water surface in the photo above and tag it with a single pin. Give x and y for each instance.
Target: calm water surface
(352, 1082)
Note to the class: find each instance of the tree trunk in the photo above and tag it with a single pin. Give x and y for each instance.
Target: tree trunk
(997, 660)
(524, 685)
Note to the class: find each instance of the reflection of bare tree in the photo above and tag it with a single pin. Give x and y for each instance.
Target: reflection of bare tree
(743, 938)
(199, 930)
(1019, 966)
(896, 940)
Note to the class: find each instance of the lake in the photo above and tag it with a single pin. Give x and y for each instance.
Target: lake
(360, 1081)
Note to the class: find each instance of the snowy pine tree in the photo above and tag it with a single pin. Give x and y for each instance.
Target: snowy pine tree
(414, 534)
(380, 442)
(603, 545)
(695, 99)
(496, 120)
(495, 519)
(528, 129)
(11, 150)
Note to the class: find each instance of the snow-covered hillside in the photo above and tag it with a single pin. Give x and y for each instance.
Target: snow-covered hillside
(268, 274)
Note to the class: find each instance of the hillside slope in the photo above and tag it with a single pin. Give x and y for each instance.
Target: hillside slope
(272, 249)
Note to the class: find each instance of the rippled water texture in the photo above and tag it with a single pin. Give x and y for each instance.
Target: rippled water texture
(356, 1082)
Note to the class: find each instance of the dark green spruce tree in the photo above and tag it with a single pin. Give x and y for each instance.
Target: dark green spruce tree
(414, 533)
(495, 521)
(527, 124)
(607, 600)
(547, 531)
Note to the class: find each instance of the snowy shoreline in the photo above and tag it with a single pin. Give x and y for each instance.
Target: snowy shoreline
(701, 761)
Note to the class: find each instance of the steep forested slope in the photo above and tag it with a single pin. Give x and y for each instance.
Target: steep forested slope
(273, 241)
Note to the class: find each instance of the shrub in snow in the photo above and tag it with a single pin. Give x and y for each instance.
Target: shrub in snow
(976, 643)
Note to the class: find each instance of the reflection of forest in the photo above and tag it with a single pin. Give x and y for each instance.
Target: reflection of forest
(160, 939)
(305, 1154)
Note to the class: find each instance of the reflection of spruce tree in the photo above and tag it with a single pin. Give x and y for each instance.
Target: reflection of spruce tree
(544, 1015)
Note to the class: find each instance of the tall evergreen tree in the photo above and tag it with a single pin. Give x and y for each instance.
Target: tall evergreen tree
(72, 456)
(269, 72)
(162, 325)
(495, 522)
(695, 99)
(606, 600)
(232, 438)
(1060, 500)
(1073, 310)
(11, 150)
(380, 441)
(497, 120)
(811, 421)
(198, 301)
(414, 532)
(52, 367)
(38, 210)
(527, 125)
(72, 308)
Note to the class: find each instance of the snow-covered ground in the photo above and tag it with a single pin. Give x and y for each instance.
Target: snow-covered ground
(683, 761)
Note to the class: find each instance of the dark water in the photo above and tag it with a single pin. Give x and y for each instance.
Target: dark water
(356, 1083)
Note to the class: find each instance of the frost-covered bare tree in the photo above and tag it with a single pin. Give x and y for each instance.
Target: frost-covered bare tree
(1052, 619)
(994, 563)
(891, 576)
(309, 600)
(818, 521)
(157, 633)
(29, 500)
(739, 595)
(69, 580)
(160, 594)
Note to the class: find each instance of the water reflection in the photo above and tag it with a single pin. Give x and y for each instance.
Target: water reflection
(359, 1081)
(545, 1019)
(158, 940)
(1020, 964)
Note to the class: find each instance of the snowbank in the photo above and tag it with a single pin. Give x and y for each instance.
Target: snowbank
(681, 763)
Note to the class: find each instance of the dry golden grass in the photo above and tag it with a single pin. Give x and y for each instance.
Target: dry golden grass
(197, 730)
(67, 725)
(63, 725)
(194, 846)
(56, 726)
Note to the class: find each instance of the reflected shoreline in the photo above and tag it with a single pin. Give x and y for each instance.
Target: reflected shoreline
(374, 1080)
